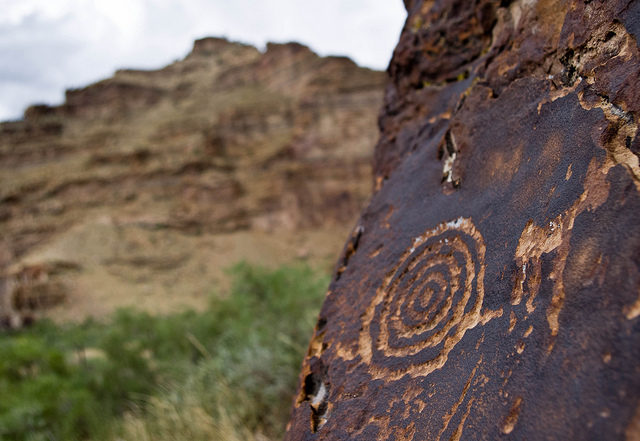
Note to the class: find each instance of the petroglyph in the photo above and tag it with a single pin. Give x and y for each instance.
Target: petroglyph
(555, 236)
(427, 302)
(633, 311)
(447, 418)
(512, 418)
(534, 242)
(512, 321)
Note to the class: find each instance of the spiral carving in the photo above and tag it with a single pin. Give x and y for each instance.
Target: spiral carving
(426, 303)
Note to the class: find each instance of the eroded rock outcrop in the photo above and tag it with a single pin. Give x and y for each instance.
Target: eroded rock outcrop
(491, 289)
(152, 182)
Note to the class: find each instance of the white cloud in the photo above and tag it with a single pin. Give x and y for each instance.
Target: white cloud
(49, 45)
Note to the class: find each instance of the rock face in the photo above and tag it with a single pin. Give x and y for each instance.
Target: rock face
(149, 183)
(491, 289)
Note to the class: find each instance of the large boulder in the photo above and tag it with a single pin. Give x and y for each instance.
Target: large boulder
(491, 289)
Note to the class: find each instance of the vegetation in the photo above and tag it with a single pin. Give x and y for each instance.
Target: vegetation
(227, 373)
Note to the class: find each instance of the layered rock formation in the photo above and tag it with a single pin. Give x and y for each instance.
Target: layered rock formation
(491, 289)
(146, 185)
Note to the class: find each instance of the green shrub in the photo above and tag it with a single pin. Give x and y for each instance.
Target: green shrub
(226, 373)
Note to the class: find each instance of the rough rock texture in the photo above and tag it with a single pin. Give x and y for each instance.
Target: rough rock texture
(149, 183)
(491, 289)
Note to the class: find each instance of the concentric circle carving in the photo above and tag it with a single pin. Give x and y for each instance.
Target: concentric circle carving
(426, 303)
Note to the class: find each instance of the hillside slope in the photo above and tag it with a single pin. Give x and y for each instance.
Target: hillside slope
(141, 188)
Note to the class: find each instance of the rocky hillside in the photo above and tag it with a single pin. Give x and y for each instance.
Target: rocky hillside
(141, 188)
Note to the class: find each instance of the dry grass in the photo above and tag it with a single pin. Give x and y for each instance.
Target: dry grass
(226, 373)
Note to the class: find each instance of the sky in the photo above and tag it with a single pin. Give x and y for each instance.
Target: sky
(47, 46)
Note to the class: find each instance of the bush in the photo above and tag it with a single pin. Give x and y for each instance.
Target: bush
(226, 373)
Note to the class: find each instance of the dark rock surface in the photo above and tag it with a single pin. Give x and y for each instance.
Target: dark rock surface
(491, 289)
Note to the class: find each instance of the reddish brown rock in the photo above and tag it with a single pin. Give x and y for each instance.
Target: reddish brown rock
(26, 291)
(491, 289)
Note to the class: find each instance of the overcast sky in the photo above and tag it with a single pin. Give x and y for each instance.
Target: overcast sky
(47, 46)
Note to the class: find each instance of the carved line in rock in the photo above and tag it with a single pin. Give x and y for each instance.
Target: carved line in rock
(457, 433)
(453, 421)
(426, 303)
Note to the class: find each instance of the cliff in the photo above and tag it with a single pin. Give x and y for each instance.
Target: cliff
(491, 289)
(140, 189)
